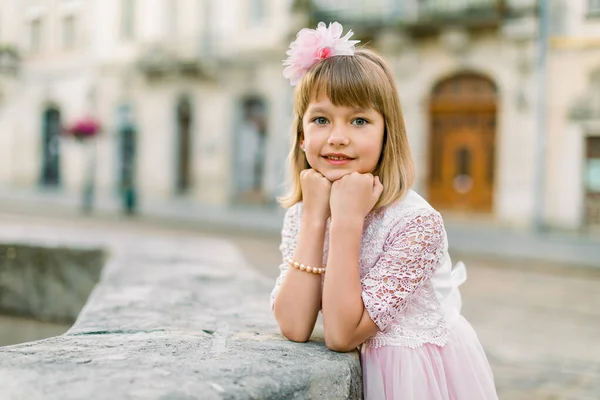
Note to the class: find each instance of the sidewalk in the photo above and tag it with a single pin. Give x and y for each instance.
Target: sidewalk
(468, 237)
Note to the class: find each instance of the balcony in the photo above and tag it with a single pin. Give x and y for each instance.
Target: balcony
(199, 56)
(419, 16)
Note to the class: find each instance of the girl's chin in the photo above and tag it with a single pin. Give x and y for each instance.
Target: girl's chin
(333, 176)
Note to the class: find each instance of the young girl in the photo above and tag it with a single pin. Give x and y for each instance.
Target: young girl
(358, 243)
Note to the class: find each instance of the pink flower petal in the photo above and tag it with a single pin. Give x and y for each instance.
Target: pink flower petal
(312, 45)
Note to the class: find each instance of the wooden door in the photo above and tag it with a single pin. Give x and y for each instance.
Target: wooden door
(462, 147)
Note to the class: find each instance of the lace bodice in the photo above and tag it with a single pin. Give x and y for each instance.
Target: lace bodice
(408, 287)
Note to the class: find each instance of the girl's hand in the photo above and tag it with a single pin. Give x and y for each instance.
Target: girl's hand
(354, 195)
(315, 195)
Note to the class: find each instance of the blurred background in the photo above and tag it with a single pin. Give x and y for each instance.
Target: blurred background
(501, 100)
(173, 115)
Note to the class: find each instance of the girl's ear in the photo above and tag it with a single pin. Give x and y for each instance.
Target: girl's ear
(301, 143)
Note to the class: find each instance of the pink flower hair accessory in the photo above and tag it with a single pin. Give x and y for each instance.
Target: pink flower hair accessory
(313, 45)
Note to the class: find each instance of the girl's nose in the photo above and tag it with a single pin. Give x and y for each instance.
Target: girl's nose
(338, 137)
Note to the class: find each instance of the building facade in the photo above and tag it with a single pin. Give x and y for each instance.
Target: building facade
(184, 90)
(573, 158)
(500, 100)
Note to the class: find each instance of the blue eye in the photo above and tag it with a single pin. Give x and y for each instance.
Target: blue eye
(360, 122)
(320, 120)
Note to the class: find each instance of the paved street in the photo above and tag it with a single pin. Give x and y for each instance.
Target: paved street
(538, 321)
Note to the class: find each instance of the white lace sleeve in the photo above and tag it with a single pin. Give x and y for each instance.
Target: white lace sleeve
(289, 237)
(411, 253)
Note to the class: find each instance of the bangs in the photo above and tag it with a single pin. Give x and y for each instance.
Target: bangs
(348, 81)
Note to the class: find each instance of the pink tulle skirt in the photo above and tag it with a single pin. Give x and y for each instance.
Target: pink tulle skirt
(457, 371)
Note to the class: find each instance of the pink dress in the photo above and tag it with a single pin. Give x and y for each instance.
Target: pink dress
(424, 348)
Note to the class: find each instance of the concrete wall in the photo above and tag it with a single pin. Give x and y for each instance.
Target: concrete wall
(49, 283)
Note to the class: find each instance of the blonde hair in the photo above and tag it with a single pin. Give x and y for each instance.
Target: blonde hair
(363, 80)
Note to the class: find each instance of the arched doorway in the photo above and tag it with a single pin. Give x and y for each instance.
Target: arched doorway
(51, 128)
(250, 157)
(184, 145)
(462, 143)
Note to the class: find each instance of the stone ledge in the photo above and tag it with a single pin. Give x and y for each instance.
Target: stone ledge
(172, 318)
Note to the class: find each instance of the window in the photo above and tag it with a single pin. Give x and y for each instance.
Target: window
(257, 11)
(127, 19)
(463, 158)
(594, 7)
(558, 14)
(35, 35)
(592, 181)
(172, 17)
(68, 32)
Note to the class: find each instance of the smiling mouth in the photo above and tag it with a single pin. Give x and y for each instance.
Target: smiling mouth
(338, 158)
